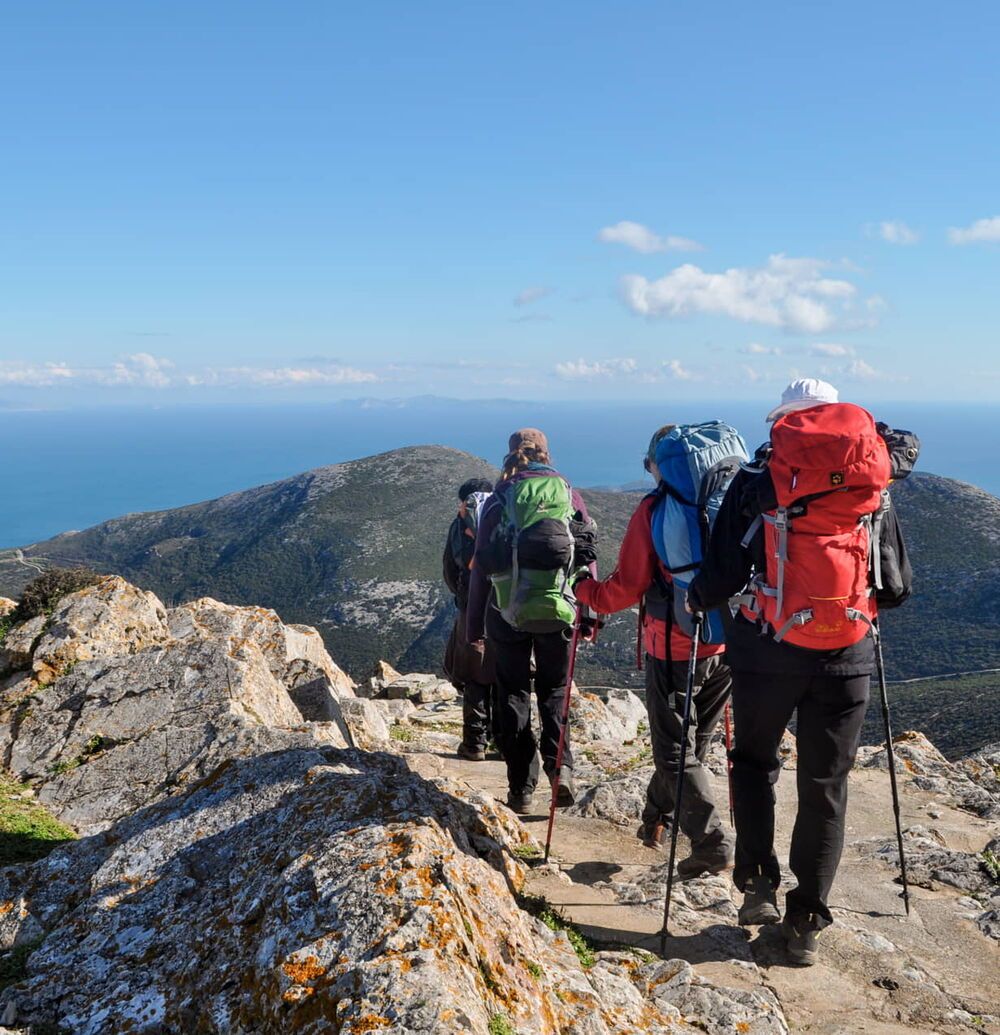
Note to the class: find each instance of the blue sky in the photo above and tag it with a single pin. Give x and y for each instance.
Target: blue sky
(272, 201)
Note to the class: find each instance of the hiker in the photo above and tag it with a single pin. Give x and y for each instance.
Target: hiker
(793, 537)
(641, 577)
(529, 609)
(470, 670)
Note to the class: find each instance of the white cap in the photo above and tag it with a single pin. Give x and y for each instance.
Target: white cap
(802, 393)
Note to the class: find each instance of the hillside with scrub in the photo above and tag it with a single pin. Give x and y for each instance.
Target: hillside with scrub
(355, 551)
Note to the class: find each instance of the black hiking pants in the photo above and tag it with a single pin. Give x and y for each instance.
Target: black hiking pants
(666, 687)
(830, 711)
(472, 674)
(512, 653)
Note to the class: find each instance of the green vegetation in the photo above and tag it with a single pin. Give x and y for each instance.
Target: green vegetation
(94, 746)
(42, 593)
(500, 1025)
(535, 970)
(991, 863)
(383, 520)
(528, 850)
(539, 906)
(27, 831)
(14, 964)
(405, 734)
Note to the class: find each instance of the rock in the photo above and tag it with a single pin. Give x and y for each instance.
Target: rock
(19, 643)
(366, 722)
(930, 864)
(629, 709)
(421, 688)
(384, 673)
(972, 784)
(396, 711)
(311, 890)
(593, 720)
(112, 618)
(162, 696)
(619, 800)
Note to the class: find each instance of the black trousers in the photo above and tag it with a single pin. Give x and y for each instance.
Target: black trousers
(512, 653)
(666, 687)
(829, 713)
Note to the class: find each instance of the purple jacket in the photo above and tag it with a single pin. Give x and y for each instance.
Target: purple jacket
(489, 518)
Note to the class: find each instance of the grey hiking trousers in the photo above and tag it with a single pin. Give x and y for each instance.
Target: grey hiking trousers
(666, 685)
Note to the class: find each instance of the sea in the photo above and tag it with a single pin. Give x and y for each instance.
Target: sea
(69, 469)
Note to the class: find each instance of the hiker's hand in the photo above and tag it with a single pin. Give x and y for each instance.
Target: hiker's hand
(588, 628)
(582, 576)
(479, 646)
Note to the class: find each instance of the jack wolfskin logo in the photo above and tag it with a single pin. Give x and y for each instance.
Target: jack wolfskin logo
(837, 478)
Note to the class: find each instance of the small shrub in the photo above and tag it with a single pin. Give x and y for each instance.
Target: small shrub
(527, 851)
(535, 970)
(500, 1025)
(991, 863)
(402, 733)
(538, 906)
(41, 595)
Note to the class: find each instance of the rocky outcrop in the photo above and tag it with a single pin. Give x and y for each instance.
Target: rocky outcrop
(115, 701)
(320, 890)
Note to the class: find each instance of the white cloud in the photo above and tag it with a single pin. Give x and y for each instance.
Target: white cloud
(831, 349)
(895, 231)
(756, 349)
(142, 370)
(531, 294)
(788, 293)
(672, 368)
(589, 370)
(641, 239)
(860, 370)
(982, 230)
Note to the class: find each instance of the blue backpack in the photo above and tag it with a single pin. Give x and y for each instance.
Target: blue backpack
(696, 462)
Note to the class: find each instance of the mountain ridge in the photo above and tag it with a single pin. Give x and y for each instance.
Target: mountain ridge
(355, 548)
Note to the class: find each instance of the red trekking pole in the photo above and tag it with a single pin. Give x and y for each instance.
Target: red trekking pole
(574, 644)
(729, 763)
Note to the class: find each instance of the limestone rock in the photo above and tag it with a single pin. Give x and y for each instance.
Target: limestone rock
(126, 701)
(591, 719)
(421, 688)
(110, 619)
(306, 890)
(367, 723)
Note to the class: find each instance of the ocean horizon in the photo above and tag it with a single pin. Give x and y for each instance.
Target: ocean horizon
(70, 469)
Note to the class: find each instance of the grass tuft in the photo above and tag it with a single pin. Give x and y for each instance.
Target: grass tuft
(27, 831)
(539, 906)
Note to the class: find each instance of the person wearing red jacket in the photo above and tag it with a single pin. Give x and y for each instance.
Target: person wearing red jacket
(641, 577)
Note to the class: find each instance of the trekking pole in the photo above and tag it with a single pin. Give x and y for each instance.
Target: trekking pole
(685, 727)
(729, 763)
(905, 895)
(574, 643)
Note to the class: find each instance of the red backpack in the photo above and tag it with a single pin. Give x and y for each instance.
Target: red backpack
(830, 468)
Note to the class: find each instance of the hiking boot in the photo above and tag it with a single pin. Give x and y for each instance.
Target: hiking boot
(760, 904)
(471, 754)
(653, 835)
(566, 795)
(801, 939)
(706, 859)
(519, 803)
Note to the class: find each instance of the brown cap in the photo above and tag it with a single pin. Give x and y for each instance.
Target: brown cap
(528, 436)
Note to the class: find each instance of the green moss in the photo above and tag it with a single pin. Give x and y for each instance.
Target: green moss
(538, 906)
(527, 851)
(27, 831)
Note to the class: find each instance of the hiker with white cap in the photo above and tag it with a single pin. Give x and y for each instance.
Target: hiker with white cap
(799, 537)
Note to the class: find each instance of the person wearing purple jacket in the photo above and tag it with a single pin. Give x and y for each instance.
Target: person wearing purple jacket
(527, 457)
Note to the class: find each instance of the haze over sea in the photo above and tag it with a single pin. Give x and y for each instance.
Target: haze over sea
(69, 469)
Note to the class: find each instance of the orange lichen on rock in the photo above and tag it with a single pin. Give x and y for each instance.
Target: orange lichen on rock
(301, 971)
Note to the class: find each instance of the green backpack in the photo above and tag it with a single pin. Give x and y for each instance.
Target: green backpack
(535, 594)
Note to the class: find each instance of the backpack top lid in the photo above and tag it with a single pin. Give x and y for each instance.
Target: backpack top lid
(822, 449)
(689, 451)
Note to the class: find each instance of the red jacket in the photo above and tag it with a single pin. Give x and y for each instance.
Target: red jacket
(629, 582)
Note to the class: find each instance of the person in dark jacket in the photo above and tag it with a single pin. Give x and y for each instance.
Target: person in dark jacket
(513, 649)
(641, 576)
(469, 668)
(827, 689)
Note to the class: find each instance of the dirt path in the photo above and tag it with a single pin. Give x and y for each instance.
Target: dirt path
(879, 971)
